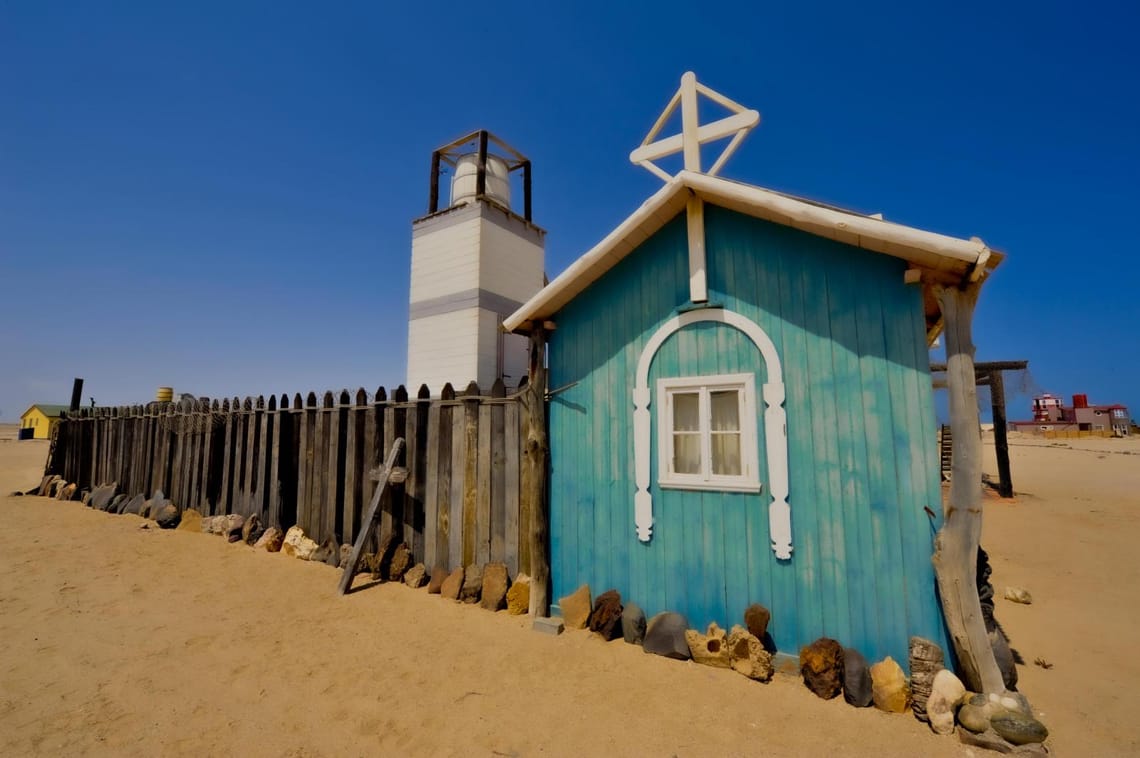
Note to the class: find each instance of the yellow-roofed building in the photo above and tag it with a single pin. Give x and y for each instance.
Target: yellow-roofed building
(41, 418)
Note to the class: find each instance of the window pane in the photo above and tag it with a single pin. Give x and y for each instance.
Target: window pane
(686, 412)
(726, 454)
(687, 453)
(725, 411)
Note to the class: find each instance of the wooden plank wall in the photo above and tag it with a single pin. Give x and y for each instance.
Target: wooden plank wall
(308, 462)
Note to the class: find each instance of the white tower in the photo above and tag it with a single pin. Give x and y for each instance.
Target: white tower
(473, 263)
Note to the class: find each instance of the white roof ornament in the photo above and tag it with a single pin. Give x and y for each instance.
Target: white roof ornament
(693, 134)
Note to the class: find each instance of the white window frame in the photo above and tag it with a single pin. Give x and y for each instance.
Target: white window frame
(749, 479)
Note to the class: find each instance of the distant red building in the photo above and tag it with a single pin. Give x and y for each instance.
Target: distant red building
(1051, 415)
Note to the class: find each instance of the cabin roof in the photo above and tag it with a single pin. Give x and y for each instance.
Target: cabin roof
(941, 259)
(47, 409)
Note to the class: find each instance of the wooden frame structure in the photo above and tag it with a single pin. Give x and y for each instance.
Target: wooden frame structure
(482, 140)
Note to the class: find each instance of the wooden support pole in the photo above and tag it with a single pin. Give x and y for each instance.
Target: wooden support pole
(1001, 441)
(537, 450)
(956, 544)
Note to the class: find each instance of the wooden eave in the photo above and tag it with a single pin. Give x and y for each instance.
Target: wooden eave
(941, 259)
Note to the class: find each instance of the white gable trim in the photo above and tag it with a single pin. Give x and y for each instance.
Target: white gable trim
(775, 425)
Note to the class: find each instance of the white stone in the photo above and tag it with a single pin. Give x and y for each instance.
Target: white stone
(945, 692)
(297, 545)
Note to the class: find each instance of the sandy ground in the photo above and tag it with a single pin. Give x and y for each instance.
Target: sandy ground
(122, 641)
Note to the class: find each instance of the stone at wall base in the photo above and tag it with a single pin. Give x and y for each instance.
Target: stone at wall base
(549, 625)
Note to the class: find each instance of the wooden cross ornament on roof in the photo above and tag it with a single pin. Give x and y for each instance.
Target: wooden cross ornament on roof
(693, 134)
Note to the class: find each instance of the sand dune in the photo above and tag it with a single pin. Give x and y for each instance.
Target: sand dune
(124, 641)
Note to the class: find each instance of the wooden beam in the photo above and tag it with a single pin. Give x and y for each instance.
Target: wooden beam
(956, 544)
(985, 367)
(1001, 441)
(537, 450)
(369, 519)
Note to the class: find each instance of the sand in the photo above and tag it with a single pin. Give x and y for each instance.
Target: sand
(124, 641)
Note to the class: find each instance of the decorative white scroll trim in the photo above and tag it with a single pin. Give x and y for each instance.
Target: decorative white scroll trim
(775, 425)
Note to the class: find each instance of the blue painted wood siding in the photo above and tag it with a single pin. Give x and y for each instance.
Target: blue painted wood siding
(861, 440)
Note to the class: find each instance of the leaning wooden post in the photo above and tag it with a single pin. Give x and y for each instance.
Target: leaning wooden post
(1001, 440)
(956, 544)
(535, 454)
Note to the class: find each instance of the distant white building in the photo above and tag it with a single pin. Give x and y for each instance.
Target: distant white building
(474, 262)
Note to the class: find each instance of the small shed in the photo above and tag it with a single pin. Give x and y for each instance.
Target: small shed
(41, 418)
(741, 407)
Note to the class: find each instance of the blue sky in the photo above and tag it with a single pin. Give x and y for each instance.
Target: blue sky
(219, 196)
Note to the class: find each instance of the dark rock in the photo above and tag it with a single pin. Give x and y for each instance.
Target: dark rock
(102, 496)
(495, 585)
(856, 678)
(576, 608)
(633, 624)
(1004, 658)
(606, 616)
(926, 660)
(383, 562)
(251, 529)
(416, 576)
(400, 563)
(435, 582)
(452, 584)
(168, 516)
(821, 664)
(756, 618)
(1018, 729)
(665, 635)
(117, 503)
(15, 493)
(134, 505)
(328, 551)
(472, 584)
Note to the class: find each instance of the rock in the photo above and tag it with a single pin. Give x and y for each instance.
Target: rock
(821, 665)
(987, 740)
(42, 490)
(327, 552)
(251, 529)
(1016, 702)
(926, 660)
(399, 564)
(747, 656)
(709, 648)
(472, 584)
(77, 494)
(435, 582)
(1018, 595)
(102, 496)
(974, 717)
(633, 624)
(117, 503)
(383, 558)
(518, 596)
(1003, 656)
(191, 520)
(168, 516)
(345, 556)
(605, 619)
(134, 505)
(944, 696)
(233, 526)
(1018, 729)
(297, 545)
(576, 608)
(494, 590)
(68, 492)
(154, 505)
(452, 584)
(416, 576)
(856, 678)
(756, 618)
(53, 486)
(889, 689)
(15, 493)
(271, 539)
(665, 635)
(85, 498)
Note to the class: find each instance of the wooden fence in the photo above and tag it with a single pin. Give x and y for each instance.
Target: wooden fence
(309, 462)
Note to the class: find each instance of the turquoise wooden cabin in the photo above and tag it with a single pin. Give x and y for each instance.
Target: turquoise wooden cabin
(742, 408)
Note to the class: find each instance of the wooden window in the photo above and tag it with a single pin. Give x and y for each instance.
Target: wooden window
(707, 433)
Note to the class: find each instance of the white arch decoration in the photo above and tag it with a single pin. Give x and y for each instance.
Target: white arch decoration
(775, 425)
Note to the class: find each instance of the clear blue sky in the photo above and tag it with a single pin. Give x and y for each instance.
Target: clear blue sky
(218, 196)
